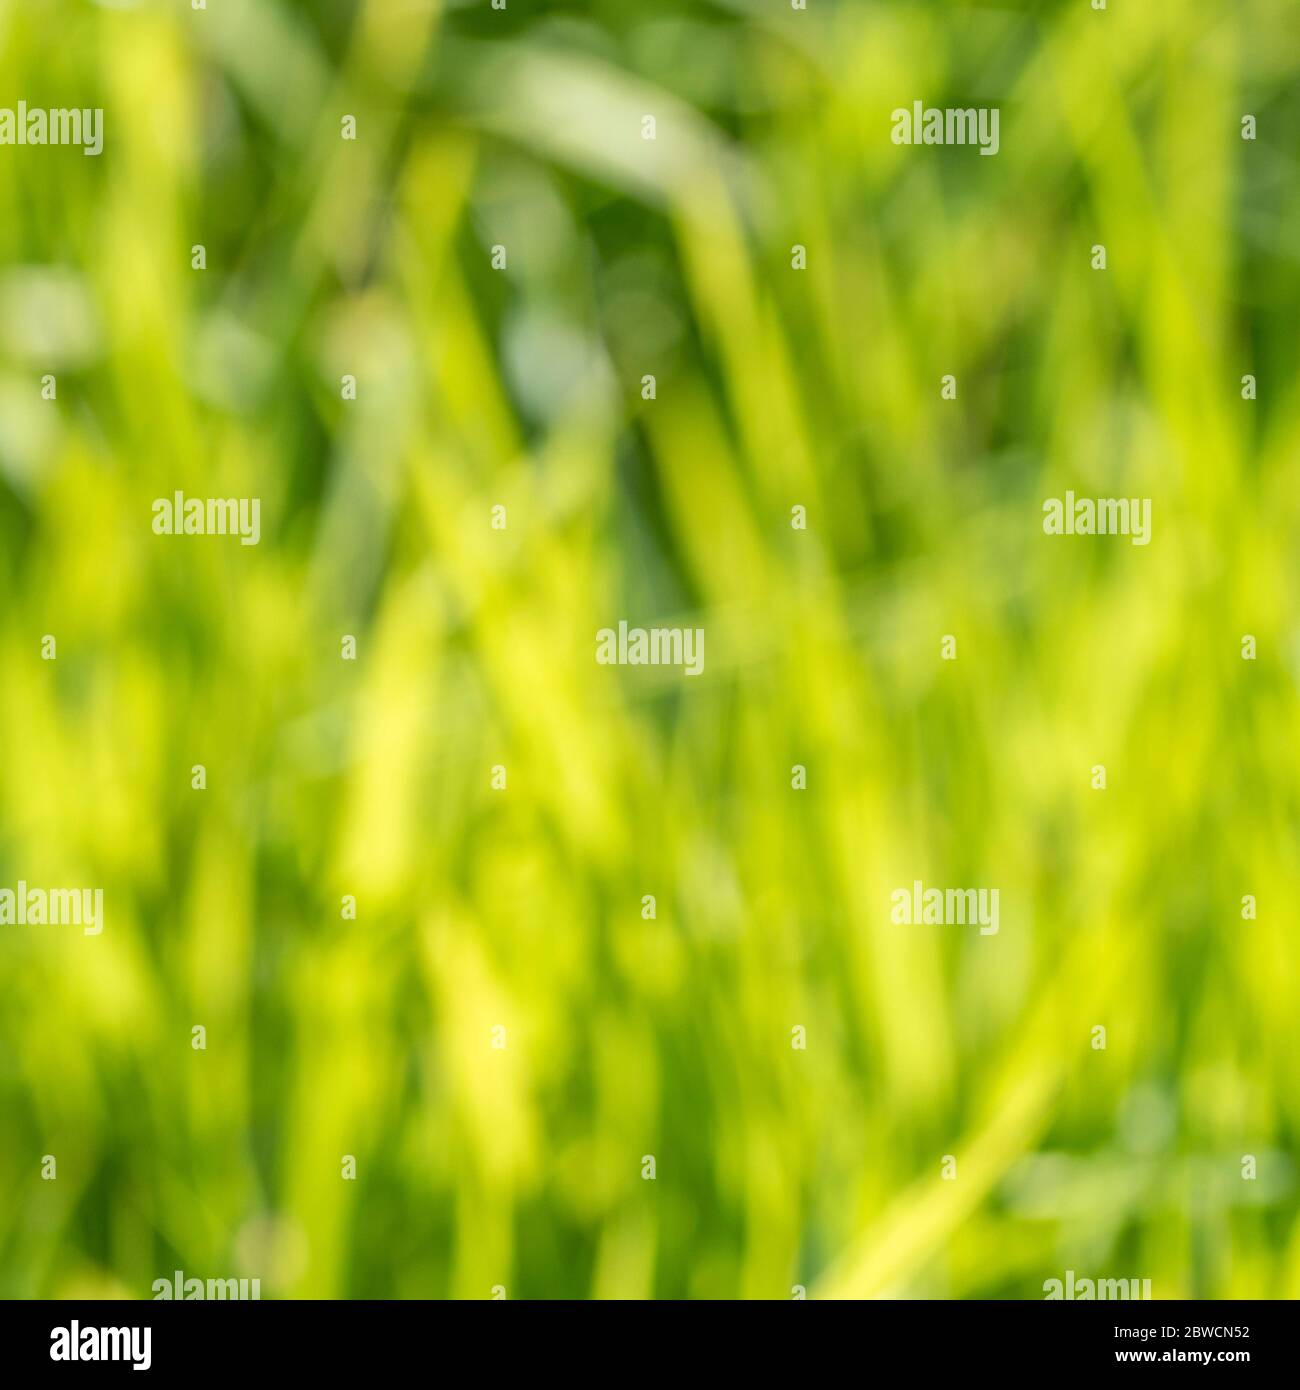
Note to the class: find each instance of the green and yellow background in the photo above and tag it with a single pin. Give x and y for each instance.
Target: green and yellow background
(520, 1167)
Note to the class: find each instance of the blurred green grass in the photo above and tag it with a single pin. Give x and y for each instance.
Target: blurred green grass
(521, 1167)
